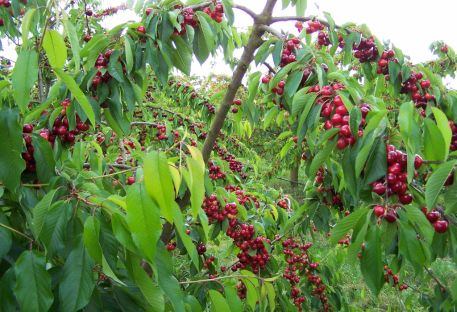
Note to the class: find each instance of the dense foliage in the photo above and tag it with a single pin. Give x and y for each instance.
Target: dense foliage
(127, 186)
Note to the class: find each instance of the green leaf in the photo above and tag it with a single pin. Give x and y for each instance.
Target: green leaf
(26, 24)
(128, 53)
(293, 82)
(77, 284)
(91, 236)
(167, 281)
(233, 300)
(443, 125)
(149, 289)
(5, 237)
(434, 144)
(53, 232)
(371, 263)
(450, 199)
(40, 211)
(55, 48)
(411, 247)
(25, 74)
(300, 7)
(196, 180)
(199, 46)
(218, 302)
(33, 283)
(11, 162)
(436, 182)
(320, 158)
(7, 283)
(422, 225)
(206, 29)
(115, 68)
(346, 224)
(159, 183)
(74, 42)
(44, 157)
(143, 218)
(362, 156)
(77, 93)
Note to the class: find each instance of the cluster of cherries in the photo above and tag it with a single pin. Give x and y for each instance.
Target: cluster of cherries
(366, 50)
(28, 155)
(253, 252)
(383, 62)
(288, 55)
(242, 197)
(235, 104)
(189, 18)
(337, 115)
(217, 14)
(279, 89)
(101, 63)
(161, 134)
(60, 128)
(410, 86)
(389, 276)
(215, 171)
(235, 165)
(214, 211)
(298, 262)
(397, 176)
(434, 217)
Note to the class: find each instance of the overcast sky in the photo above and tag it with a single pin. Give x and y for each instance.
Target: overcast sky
(410, 24)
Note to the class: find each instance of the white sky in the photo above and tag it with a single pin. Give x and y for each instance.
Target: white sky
(411, 25)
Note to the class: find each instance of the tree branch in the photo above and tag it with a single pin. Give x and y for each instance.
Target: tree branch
(272, 31)
(304, 19)
(245, 10)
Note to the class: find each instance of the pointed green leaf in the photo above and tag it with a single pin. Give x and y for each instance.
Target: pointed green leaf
(55, 48)
(25, 74)
(33, 283)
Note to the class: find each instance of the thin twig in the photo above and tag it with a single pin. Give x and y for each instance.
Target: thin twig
(430, 272)
(16, 231)
(287, 180)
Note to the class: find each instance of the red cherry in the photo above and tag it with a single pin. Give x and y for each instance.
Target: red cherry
(441, 226)
(338, 101)
(345, 131)
(281, 84)
(418, 161)
(395, 168)
(87, 38)
(341, 110)
(28, 128)
(391, 216)
(141, 29)
(336, 119)
(378, 211)
(379, 188)
(341, 143)
(237, 102)
(130, 180)
(425, 84)
(265, 79)
(148, 11)
(444, 49)
(405, 199)
(433, 216)
(61, 130)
